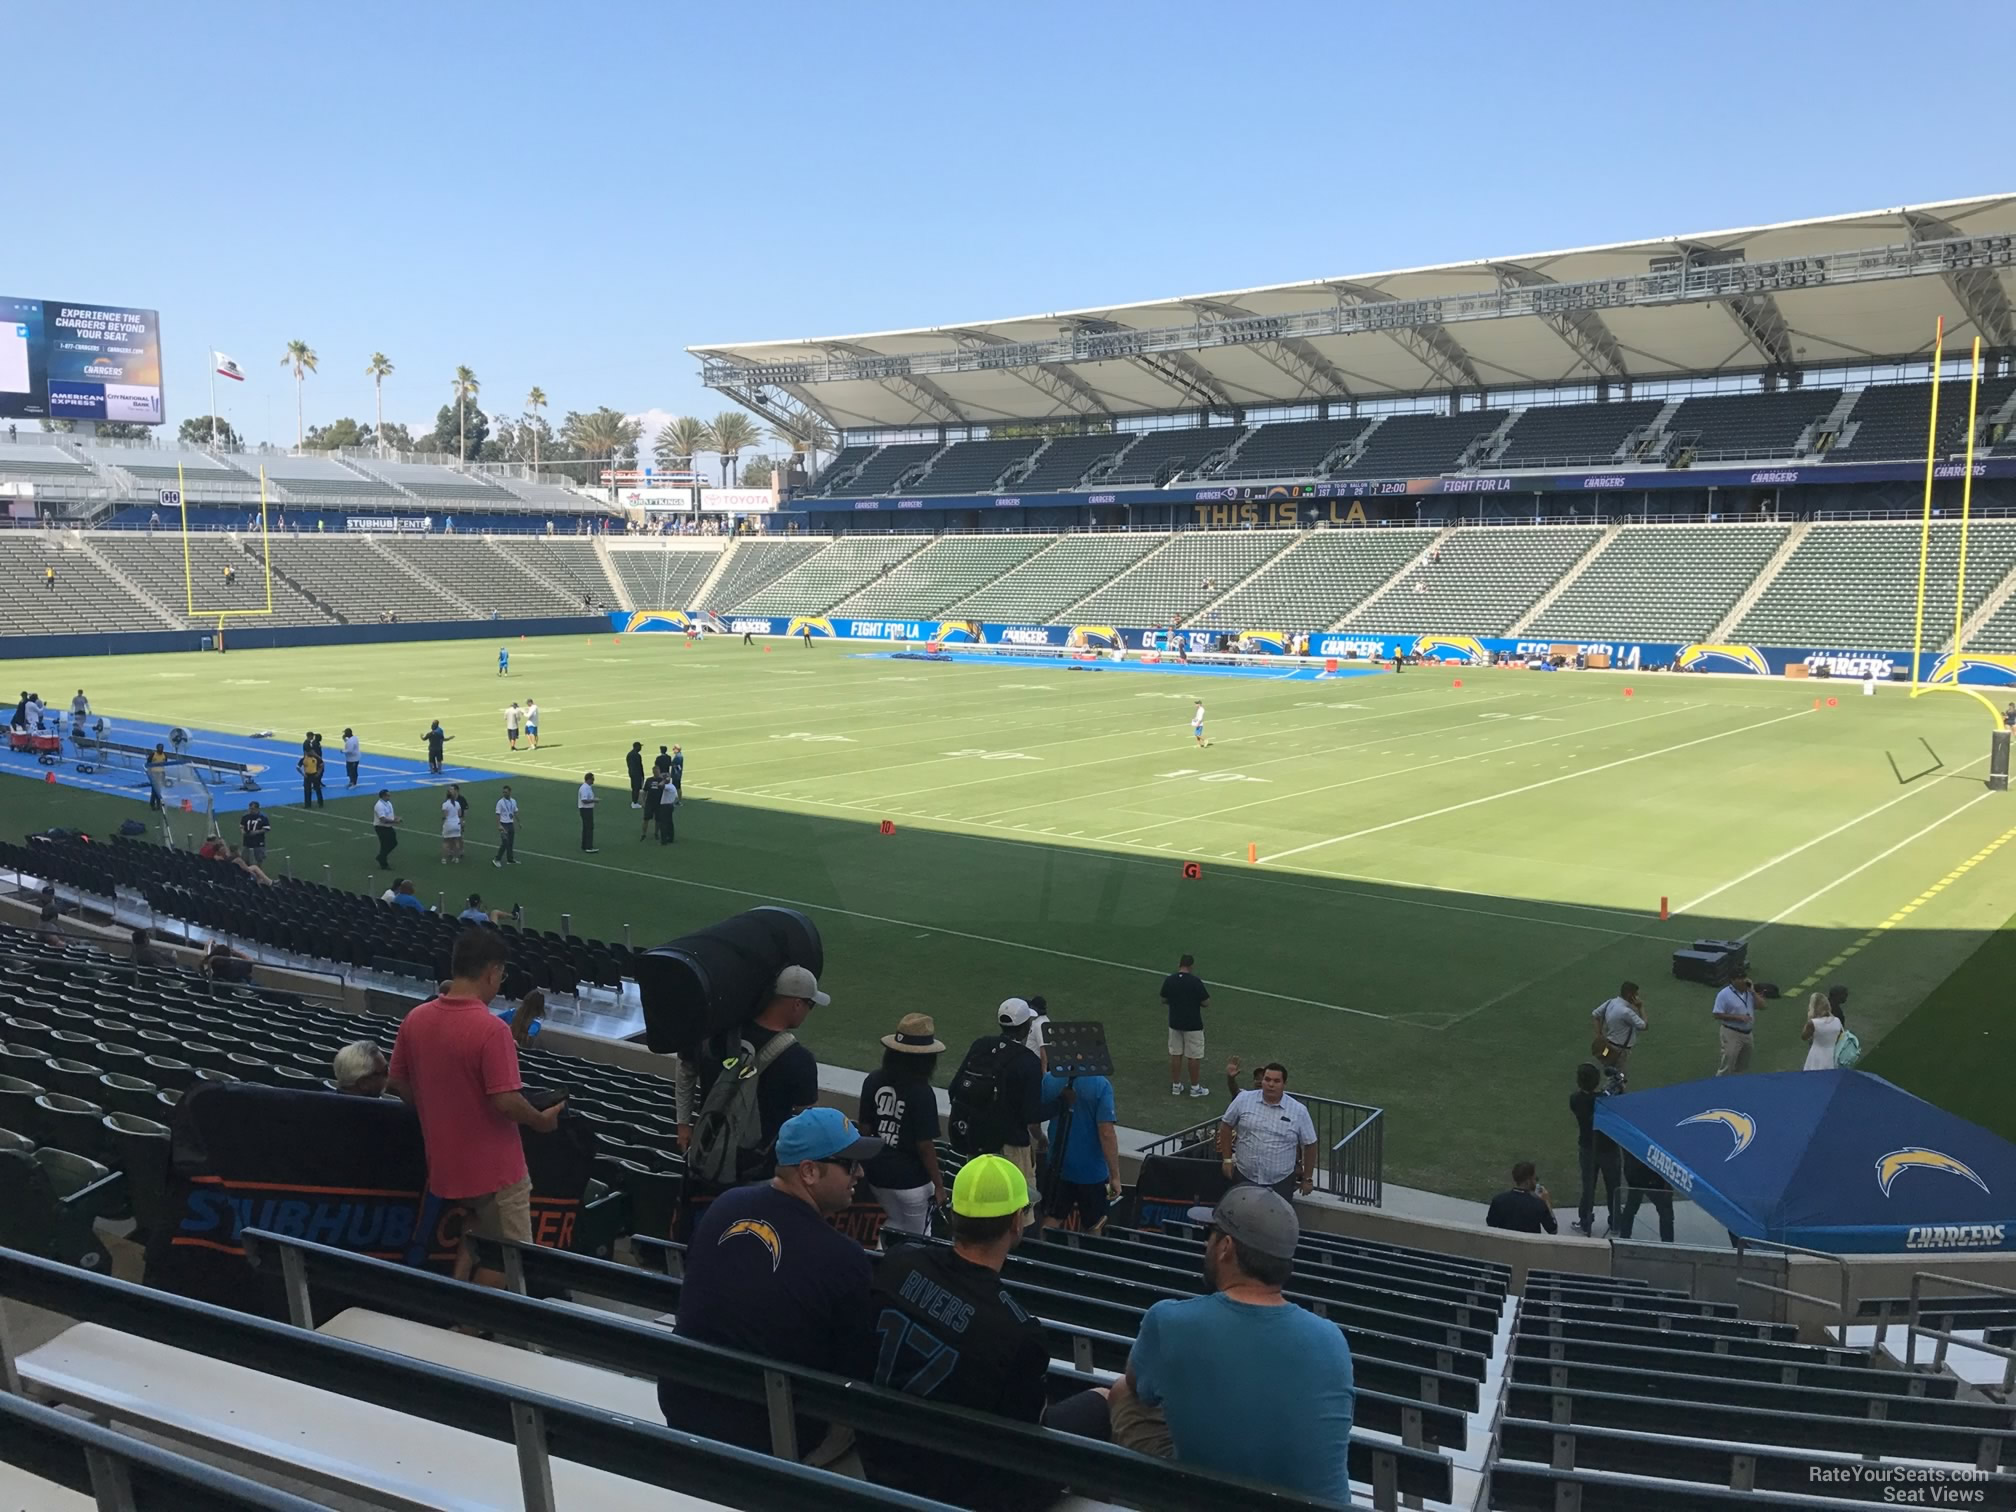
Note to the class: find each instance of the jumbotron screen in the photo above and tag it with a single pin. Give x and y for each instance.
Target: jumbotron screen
(66, 360)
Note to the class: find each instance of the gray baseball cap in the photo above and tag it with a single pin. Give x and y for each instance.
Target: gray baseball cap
(1256, 1217)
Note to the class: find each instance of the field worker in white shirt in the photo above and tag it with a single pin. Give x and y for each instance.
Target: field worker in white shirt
(353, 753)
(585, 801)
(385, 821)
(1619, 1020)
(532, 722)
(451, 831)
(1266, 1138)
(507, 829)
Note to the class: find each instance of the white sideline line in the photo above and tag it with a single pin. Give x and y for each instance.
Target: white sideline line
(1408, 771)
(1821, 892)
(1715, 892)
(957, 934)
(1455, 808)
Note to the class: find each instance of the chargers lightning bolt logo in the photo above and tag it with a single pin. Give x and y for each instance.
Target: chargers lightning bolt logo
(1740, 1125)
(763, 1233)
(1893, 1165)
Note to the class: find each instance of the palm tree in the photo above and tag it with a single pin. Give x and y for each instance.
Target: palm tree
(301, 358)
(808, 435)
(604, 435)
(378, 369)
(465, 388)
(728, 433)
(535, 402)
(677, 440)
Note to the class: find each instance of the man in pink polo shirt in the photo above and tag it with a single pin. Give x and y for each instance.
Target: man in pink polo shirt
(455, 1063)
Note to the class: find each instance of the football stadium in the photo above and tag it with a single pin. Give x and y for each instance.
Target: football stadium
(1367, 764)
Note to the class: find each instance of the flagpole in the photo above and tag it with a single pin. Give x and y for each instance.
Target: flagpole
(213, 398)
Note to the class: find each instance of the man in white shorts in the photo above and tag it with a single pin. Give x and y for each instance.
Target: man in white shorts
(1185, 993)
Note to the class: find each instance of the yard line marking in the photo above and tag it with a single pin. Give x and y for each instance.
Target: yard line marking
(1455, 808)
(1392, 772)
(1690, 906)
(1821, 892)
(958, 934)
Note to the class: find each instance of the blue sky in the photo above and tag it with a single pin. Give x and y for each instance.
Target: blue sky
(569, 196)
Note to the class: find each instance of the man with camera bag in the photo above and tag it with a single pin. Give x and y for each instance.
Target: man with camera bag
(997, 1094)
(750, 1087)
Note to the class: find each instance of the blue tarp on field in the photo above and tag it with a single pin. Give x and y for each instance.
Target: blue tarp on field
(1840, 1161)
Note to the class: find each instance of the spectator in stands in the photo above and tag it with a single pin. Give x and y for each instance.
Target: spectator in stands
(360, 1070)
(584, 800)
(1526, 1208)
(475, 913)
(458, 1068)
(403, 896)
(385, 821)
(633, 764)
(1267, 1138)
(1595, 1153)
(998, 1091)
(1241, 1381)
(1735, 1013)
(1085, 1152)
(898, 1105)
(255, 827)
(527, 1016)
(1643, 1184)
(952, 1335)
(144, 953)
(786, 1087)
(353, 754)
(1619, 1021)
(223, 964)
(49, 578)
(1186, 996)
(507, 829)
(766, 1274)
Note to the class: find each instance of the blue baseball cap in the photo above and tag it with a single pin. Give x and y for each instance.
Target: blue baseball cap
(822, 1134)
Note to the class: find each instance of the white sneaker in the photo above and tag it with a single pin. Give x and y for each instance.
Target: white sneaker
(1175, 1089)
(1200, 1090)
(636, 805)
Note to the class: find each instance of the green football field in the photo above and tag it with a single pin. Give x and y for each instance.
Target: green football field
(1449, 877)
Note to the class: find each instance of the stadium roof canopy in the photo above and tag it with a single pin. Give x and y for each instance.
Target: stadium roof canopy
(1842, 290)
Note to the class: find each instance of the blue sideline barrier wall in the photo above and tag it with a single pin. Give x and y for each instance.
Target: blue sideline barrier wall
(1978, 669)
(240, 635)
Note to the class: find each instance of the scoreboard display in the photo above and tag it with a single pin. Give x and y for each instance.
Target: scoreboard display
(67, 360)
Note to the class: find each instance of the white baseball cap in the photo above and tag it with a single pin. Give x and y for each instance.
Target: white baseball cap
(1015, 1013)
(796, 981)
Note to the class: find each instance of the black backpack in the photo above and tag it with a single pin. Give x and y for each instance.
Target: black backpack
(979, 1121)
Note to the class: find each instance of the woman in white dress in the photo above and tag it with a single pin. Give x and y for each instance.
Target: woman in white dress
(1821, 1031)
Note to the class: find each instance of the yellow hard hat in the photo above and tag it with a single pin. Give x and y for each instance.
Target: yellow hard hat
(989, 1187)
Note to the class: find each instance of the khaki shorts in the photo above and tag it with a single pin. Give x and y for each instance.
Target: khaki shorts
(503, 1215)
(1023, 1158)
(1188, 1043)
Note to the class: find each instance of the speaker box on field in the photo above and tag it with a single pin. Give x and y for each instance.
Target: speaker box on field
(715, 979)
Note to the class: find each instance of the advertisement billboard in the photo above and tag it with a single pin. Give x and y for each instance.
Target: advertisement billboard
(67, 360)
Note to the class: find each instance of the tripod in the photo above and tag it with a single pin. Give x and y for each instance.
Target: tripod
(1075, 1050)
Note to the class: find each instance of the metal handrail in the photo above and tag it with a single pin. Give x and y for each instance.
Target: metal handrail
(1943, 1337)
(1841, 1305)
(1355, 1175)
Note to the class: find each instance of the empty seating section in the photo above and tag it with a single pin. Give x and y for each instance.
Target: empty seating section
(845, 567)
(155, 563)
(1181, 578)
(665, 577)
(1556, 435)
(352, 580)
(1416, 445)
(484, 577)
(754, 563)
(1480, 580)
(1066, 460)
(973, 466)
(1852, 586)
(942, 574)
(1894, 419)
(1317, 582)
(1290, 448)
(571, 565)
(198, 469)
(441, 484)
(37, 463)
(84, 598)
(879, 474)
(1041, 589)
(1661, 582)
(1749, 425)
(841, 468)
(543, 495)
(1161, 452)
(320, 480)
